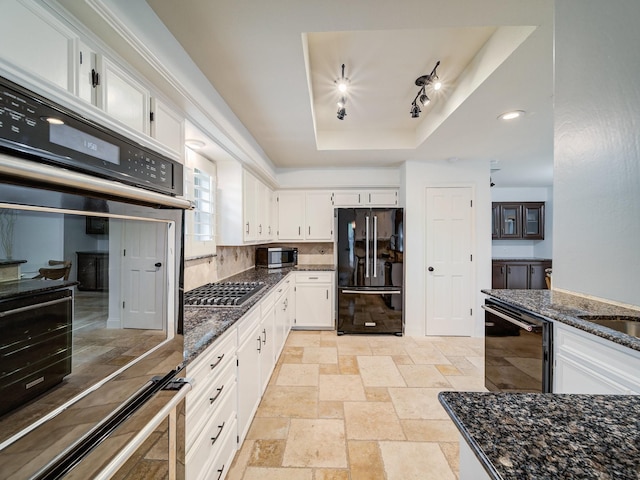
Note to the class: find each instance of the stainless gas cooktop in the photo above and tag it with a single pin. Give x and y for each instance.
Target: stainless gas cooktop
(222, 294)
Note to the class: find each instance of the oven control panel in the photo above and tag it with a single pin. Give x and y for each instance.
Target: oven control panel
(31, 125)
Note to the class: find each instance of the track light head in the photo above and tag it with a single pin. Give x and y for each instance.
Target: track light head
(424, 100)
(415, 110)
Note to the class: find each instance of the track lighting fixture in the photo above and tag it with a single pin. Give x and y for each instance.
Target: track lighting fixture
(423, 81)
(342, 84)
(342, 112)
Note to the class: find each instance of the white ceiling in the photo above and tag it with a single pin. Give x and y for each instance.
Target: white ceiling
(275, 63)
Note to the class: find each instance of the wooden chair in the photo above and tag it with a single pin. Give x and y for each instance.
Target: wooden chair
(55, 273)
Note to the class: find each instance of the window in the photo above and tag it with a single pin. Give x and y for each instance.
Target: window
(200, 225)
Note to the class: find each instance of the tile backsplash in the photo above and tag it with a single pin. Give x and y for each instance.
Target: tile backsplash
(235, 259)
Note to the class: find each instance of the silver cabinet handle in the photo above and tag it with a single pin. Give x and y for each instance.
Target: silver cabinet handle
(215, 397)
(260, 344)
(213, 439)
(215, 364)
(264, 340)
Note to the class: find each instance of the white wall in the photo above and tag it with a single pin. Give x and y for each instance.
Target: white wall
(525, 248)
(417, 177)
(597, 151)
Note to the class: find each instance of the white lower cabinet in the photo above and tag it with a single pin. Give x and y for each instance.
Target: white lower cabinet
(249, 385)
(229, 379)
(586, 363)
(211, 408)
(283, 316)
(314, 300)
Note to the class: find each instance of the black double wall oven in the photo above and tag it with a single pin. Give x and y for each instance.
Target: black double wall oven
(87, 348)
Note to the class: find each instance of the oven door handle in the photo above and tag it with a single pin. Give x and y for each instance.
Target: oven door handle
(33, 307)
(373, 292)
(527, 326)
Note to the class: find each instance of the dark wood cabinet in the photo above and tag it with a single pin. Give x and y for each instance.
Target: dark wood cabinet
(93, 270)
(519, 274)
(517, 220)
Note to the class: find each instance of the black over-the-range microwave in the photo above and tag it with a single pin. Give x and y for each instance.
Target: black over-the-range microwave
(276, 257)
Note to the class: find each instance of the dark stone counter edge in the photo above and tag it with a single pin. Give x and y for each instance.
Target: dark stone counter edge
(222, 319)
(569, 317)
(22, 288)
(475, 448)
(9, 261)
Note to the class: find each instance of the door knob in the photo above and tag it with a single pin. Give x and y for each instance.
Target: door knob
(158, 265)
(430, 269)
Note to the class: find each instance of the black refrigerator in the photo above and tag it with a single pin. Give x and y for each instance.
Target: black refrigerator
(370, 270)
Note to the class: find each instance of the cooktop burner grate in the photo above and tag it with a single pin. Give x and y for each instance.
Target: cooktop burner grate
(222, 294)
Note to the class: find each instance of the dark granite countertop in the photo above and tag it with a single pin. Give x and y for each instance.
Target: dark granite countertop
(203, 325)
(19, 288)
(528, 436)
(566, 308)
(10, 261)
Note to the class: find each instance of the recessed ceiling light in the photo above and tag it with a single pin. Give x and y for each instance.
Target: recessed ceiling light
(511, 115)
(194, 144)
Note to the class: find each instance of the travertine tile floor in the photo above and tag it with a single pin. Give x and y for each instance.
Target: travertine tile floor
(360, 408)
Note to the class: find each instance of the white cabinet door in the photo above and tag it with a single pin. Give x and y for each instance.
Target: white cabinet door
(249, 386)
(35, 42)
(381, 198)
(291, 216)
(314, 300)
(267, 352)
(348, 198)
(250, 201)
(263, 207)
(87, 74)
(318, 216)
(167, 125)
(122, 96)
(282, 316)
(586, 363)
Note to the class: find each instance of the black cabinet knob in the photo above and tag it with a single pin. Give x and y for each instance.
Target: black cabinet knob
(430, 269)
(158, 265)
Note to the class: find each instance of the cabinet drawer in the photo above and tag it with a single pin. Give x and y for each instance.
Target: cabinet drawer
(267, 302)
(247, 324)
(202, 403)
(219, 466)
(217, 436)
(314, 277)
(213, 359)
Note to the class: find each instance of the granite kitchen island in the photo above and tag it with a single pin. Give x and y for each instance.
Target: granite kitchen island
(527, 436)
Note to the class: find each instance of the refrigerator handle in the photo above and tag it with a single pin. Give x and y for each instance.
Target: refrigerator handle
(374, 259)
(366, 250)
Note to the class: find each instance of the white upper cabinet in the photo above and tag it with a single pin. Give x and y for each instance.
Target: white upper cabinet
(365, 198)
(37, 43)
(305, 216)
(122, 96)
(250, 207)
(167, 125)
(318, 216)
(291, 216)
(87, 73)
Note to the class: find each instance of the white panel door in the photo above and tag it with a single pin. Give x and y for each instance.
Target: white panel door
(143, 275)
(448, 262)
(290, 215)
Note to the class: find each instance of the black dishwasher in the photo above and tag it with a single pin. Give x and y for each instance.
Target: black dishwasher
(35, 345)
(517, 350)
